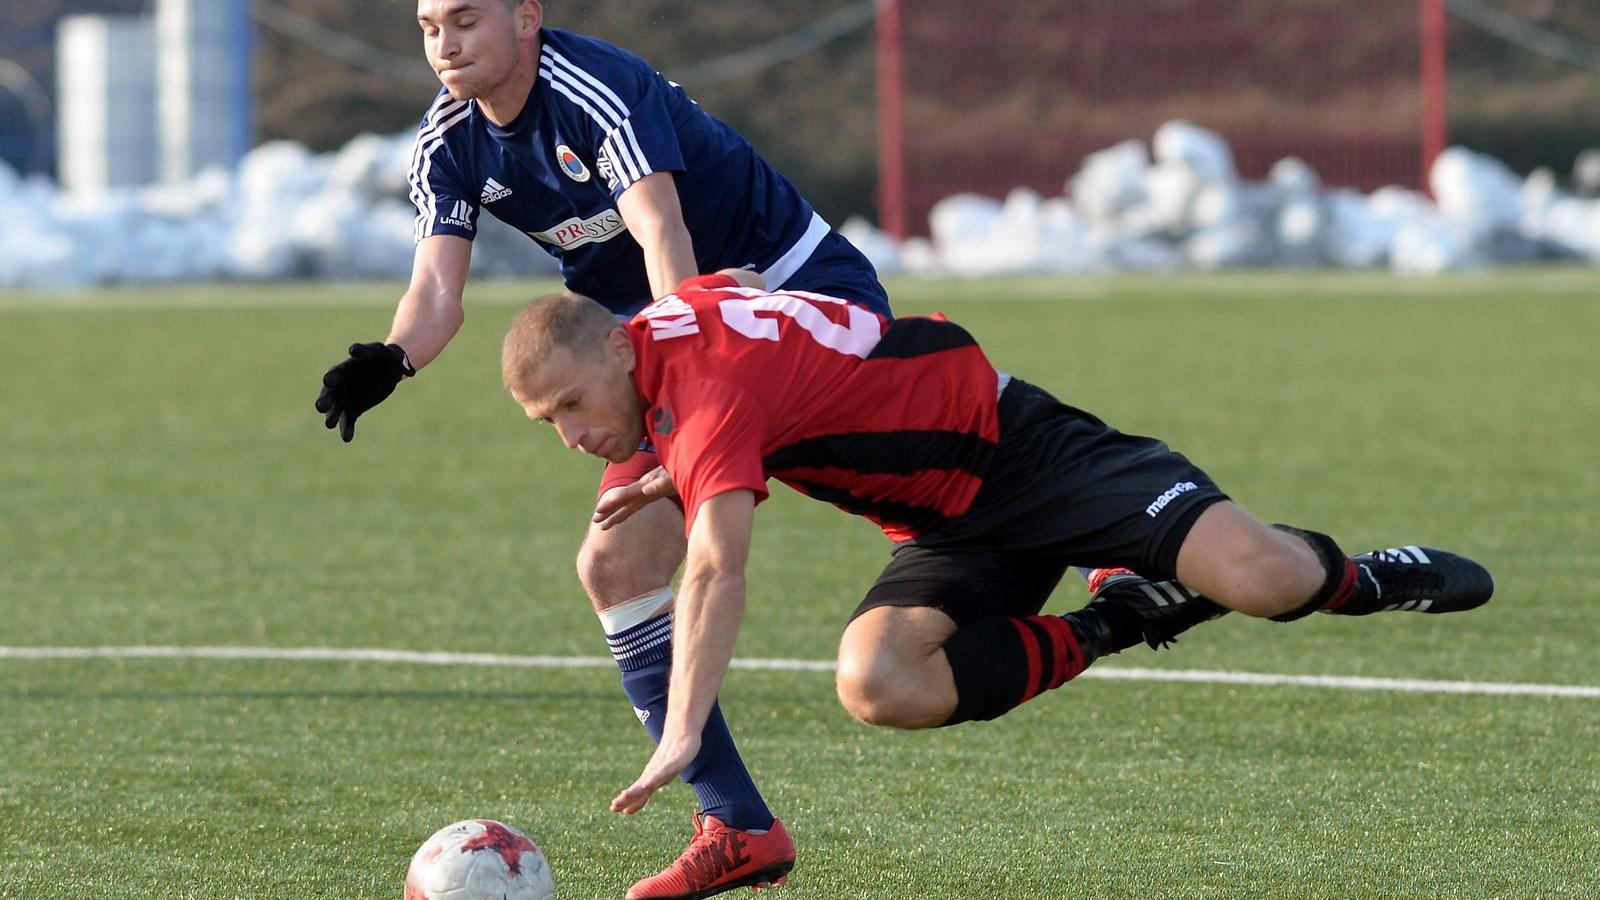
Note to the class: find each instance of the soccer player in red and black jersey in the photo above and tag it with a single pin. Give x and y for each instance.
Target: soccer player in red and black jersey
(989, 487)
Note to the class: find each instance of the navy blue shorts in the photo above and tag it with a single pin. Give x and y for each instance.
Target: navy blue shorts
(836, 268)
(1064, 489)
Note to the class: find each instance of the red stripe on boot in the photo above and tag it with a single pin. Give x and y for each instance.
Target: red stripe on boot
(1030, 645)
(1069, 656)
(1347, 586)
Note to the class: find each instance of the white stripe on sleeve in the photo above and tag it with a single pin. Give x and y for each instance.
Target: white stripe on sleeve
(596, 84)
(428, 207)
(597, 108)
(796, 256)
(628, 173)
(638, 152)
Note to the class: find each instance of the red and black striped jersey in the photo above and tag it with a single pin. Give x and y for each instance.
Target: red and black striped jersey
(892, 420)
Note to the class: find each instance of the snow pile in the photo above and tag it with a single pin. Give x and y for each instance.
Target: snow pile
(285, 213)
(1179, 204)
(1175, 204)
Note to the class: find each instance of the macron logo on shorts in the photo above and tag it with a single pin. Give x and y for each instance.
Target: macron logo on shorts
(1172, 493)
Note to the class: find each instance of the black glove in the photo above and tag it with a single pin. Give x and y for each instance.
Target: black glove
(360, 383)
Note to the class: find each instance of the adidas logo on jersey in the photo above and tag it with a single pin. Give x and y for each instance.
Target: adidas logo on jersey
(492, 191)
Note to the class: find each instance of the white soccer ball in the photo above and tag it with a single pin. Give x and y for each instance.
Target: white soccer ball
(479, 859)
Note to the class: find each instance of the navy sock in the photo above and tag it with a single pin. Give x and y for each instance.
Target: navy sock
(718, 775)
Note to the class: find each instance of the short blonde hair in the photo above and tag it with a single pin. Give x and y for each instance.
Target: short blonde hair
(566, 320)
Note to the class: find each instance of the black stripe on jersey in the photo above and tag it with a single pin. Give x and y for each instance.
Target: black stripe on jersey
(918, 519)
(919, 336)
(886, 452)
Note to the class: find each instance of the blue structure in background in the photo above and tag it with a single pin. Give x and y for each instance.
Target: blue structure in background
(25, 127)
(203, 85)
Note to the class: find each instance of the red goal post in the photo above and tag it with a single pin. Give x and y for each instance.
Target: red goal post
(987, 97)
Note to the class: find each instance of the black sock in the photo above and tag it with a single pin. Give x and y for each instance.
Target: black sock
(999, 663)
(1343, 586)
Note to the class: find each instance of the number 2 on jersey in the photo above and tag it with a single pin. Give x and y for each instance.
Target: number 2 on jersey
(854, 339)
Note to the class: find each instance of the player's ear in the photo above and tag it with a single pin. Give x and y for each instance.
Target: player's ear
(530, 15)
(620, 347)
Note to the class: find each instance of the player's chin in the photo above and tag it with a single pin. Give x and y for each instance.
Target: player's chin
(457, 84)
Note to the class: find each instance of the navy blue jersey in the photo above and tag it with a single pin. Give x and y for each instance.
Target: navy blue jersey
(597, 120)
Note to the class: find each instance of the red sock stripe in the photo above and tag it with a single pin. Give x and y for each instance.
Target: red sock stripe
(1347, 586)
(1058, 650)
(1068, 657)
(1030, 645)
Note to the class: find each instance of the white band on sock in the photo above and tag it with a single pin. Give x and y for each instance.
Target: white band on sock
(637, 611)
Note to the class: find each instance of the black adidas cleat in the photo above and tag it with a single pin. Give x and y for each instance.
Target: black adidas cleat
(1165, 609)
(1422, 579)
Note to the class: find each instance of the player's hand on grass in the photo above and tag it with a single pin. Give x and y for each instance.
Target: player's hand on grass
(361, 382)
(672, 756)
(619, 505)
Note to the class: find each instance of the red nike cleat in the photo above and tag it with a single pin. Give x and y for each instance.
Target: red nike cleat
(1097, 578)
(720, 858)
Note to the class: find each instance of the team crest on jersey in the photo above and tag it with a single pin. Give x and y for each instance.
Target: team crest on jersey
(661, 421)
(571, 164)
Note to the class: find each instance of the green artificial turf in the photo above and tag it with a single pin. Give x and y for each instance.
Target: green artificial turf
(165, 481)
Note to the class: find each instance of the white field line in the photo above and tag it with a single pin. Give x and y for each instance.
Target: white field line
(436, 658)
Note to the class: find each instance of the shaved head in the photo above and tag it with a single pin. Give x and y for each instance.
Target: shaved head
(568, 362)
(564, 321)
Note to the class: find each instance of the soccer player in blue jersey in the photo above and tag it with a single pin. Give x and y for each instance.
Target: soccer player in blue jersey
(612, 169)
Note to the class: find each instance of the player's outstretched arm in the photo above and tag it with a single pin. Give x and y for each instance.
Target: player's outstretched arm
(431, 312)
(428, 316)
(706, 618)
(654, 216)
(618, 506)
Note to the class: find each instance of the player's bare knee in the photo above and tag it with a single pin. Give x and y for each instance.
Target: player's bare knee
(613, 572)
(857, 702)
(596, 573)
(855, 685)
(875, 693)
(617, 565)
(871, 705)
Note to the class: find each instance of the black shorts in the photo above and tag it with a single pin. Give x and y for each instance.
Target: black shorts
(1064, 489)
